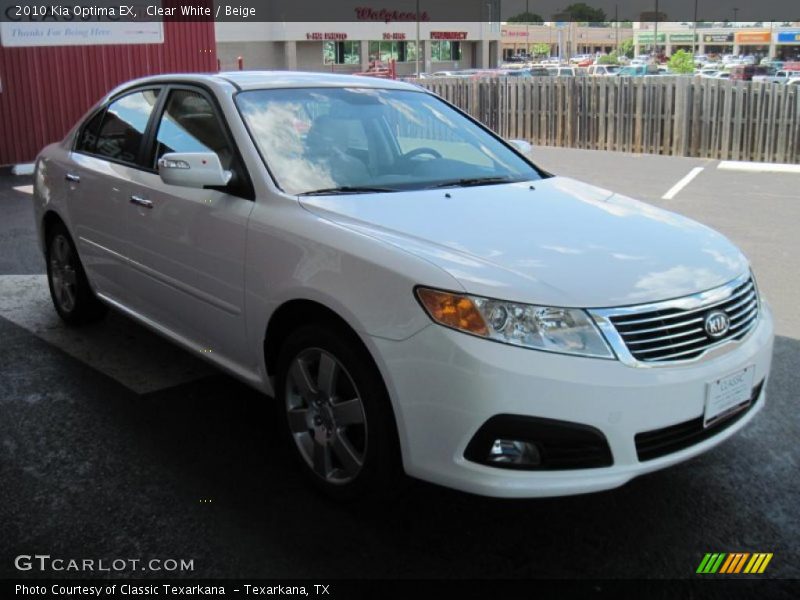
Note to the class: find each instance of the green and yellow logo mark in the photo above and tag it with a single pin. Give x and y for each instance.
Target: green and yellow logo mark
(734, 562)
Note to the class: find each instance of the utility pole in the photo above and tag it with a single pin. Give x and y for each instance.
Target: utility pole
(417, 48)
(616, 27)
(655, 34)
(527, 29)
(694, 31)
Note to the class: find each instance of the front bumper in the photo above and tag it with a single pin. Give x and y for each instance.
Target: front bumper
(445, 385)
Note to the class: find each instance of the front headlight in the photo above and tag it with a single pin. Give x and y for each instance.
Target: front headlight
(564, 330)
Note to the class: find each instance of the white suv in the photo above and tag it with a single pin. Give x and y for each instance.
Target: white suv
(411, 289)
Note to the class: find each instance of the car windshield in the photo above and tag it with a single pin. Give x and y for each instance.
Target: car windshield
(351, 140)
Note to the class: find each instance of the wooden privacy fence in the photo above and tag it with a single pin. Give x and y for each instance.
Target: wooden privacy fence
(678, 116)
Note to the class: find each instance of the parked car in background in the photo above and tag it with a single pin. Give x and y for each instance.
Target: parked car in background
(637, 70)
(579, 58)
(539, 71)
(513, 65)
(746, 72)
(562, 71)
(794, 81)
(771, 63)
(722, 75)
(780, 76)
(700, 60)
(412, 291)
(602, 70)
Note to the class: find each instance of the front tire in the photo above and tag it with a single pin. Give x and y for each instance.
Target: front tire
(338, 415)
(72, 295)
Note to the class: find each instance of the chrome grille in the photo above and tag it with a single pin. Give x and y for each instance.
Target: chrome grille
(675, 330)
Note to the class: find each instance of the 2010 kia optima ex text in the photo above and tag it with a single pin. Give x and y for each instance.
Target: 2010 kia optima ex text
(411, 289)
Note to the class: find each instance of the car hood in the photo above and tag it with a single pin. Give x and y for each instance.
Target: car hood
(556, 241)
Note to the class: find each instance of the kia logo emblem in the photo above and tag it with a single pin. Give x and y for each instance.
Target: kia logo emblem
(717, 324)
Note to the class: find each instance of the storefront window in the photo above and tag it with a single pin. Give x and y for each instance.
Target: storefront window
(443, 51)
(397, 51)
(342, 53)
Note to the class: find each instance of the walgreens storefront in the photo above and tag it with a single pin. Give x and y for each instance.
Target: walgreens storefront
(354, 46)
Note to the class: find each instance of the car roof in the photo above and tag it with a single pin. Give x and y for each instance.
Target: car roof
(253, 80)
(250, 80)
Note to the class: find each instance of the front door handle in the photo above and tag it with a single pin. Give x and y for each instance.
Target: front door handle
(72, 177)
(139, 201)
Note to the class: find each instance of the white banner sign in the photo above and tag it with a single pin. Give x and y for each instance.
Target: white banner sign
(49, 33)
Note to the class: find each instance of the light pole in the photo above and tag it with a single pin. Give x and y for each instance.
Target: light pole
(417, 48)
(527, 30)
(694, 31)
(735, 13)
(655, 34)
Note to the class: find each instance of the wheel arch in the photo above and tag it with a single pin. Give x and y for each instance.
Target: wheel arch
(49, 219)
(297, 312)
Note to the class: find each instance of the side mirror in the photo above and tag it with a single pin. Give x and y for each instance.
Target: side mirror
(522, 146)
(193, 169)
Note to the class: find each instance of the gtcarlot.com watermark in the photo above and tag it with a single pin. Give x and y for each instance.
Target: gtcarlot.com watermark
(46, 563)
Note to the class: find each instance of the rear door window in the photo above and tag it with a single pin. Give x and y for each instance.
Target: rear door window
(124, 122)
(87, 140)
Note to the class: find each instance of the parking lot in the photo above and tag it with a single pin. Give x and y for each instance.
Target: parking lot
(114, 443)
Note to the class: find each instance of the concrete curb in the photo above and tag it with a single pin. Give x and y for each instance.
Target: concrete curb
(757, 167)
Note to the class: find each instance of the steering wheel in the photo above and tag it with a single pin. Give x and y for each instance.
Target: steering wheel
(422, 150)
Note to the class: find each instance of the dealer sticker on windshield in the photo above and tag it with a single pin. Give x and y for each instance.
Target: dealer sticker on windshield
(728, 395)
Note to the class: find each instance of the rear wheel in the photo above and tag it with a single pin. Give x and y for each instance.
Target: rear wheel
(72, 295)
(338, 416)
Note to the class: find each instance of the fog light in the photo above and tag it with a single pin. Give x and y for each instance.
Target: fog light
(514, 452)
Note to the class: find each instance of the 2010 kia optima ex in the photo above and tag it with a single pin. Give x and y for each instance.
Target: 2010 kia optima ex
(411, 289)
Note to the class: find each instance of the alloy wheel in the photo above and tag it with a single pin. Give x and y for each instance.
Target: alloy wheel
(63, 273)
(326, 416)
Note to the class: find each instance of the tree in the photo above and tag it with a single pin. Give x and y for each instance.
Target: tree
(526, 17)
(681, 62)
(607, 59)
(625, 48)
(541, 49)
(581, 11)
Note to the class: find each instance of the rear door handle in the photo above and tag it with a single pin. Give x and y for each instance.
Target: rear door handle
(72, 177)
(139, 201)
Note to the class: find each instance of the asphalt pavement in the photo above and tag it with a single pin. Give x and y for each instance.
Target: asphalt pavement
(113, 443)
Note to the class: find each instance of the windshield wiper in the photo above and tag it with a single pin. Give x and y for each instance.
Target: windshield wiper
(471, 181)
(347, 189)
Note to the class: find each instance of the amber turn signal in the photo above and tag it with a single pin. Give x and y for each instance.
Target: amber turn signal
(453, 310)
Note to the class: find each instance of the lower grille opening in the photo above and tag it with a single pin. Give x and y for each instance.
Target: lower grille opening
(660, 442)
(537, 444)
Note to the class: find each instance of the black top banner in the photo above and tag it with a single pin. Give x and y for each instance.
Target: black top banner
(716, 12)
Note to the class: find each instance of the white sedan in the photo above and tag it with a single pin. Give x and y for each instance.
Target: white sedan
(414, 292)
